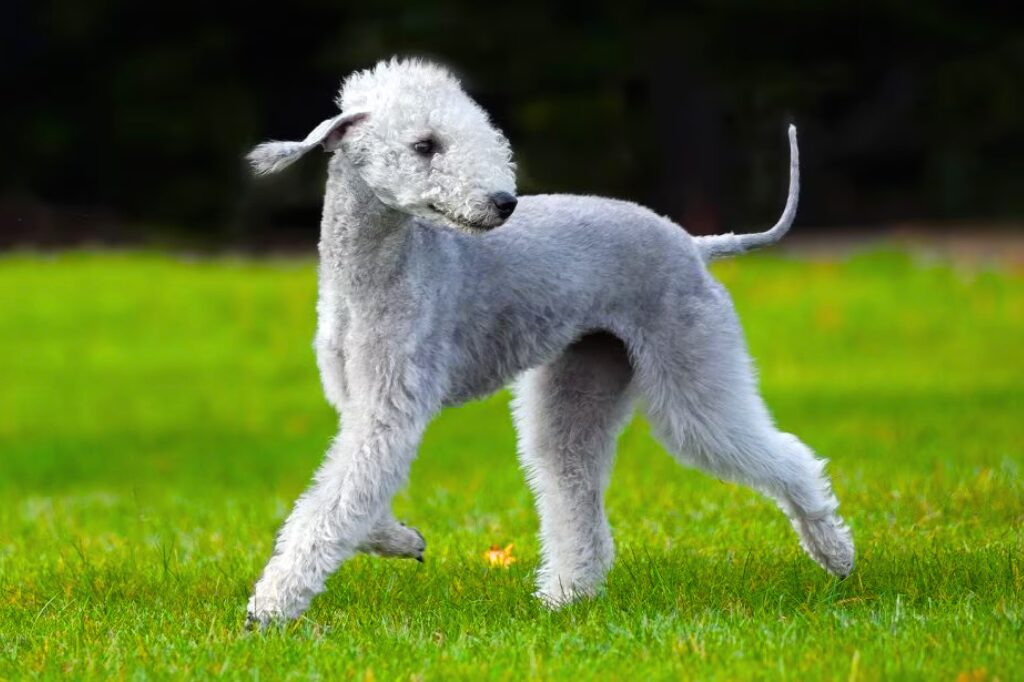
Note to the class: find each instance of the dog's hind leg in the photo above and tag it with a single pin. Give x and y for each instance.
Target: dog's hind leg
(703, 403)
(568, 414)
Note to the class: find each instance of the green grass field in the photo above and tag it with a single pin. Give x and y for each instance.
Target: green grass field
(159, 415)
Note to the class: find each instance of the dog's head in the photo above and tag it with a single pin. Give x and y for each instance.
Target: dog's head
(418, 142)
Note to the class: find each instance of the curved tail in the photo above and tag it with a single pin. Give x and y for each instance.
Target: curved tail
(716, 246)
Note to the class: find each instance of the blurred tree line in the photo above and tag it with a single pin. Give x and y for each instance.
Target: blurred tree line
(128, 119)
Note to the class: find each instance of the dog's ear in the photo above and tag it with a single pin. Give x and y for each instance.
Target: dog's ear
(270, 157)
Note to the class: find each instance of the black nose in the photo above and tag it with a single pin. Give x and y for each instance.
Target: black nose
(504, 203)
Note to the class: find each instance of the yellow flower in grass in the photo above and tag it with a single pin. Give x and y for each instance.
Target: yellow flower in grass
(496, 556)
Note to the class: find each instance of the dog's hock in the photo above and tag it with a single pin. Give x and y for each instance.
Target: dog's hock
(276, 155)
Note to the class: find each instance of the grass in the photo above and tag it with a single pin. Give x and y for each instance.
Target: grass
(158, 416)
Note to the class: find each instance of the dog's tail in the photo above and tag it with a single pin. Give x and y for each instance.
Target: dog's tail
(717, 246)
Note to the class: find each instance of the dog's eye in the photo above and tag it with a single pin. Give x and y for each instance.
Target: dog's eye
(425, 147)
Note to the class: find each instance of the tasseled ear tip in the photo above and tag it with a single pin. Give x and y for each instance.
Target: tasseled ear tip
(271, 157)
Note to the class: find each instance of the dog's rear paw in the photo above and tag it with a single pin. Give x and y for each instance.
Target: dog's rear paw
(829, 542)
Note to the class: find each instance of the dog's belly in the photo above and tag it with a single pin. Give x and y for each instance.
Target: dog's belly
(485, 367)
(466, 392)
(489, 363)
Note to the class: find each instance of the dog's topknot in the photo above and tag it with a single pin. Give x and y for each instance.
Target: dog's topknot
(365, 89)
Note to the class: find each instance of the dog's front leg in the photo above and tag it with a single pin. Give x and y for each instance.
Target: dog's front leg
(331, 362)
(388, 537)
(333, 316)
(363, 469)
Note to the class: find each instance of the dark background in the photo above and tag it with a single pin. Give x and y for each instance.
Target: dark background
(127, 121)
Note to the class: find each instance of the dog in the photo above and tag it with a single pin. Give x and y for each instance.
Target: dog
(438, 285)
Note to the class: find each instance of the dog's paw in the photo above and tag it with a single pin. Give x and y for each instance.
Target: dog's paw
(279, 596)
(396, 540)
(259, 614)
(829, 542)
(555, 597)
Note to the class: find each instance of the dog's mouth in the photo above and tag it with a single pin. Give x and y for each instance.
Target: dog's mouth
(460, 222)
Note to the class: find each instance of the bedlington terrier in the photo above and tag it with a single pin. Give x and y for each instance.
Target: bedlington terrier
(436, 286)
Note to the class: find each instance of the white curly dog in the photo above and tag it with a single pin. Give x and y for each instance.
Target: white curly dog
(594, 304)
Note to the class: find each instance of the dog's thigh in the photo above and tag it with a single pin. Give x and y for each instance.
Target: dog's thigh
(568, 415)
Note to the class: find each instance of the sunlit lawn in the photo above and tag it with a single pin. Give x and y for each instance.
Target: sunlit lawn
(158, 416)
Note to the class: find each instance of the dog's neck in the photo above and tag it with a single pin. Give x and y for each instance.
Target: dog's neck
(361, 238)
